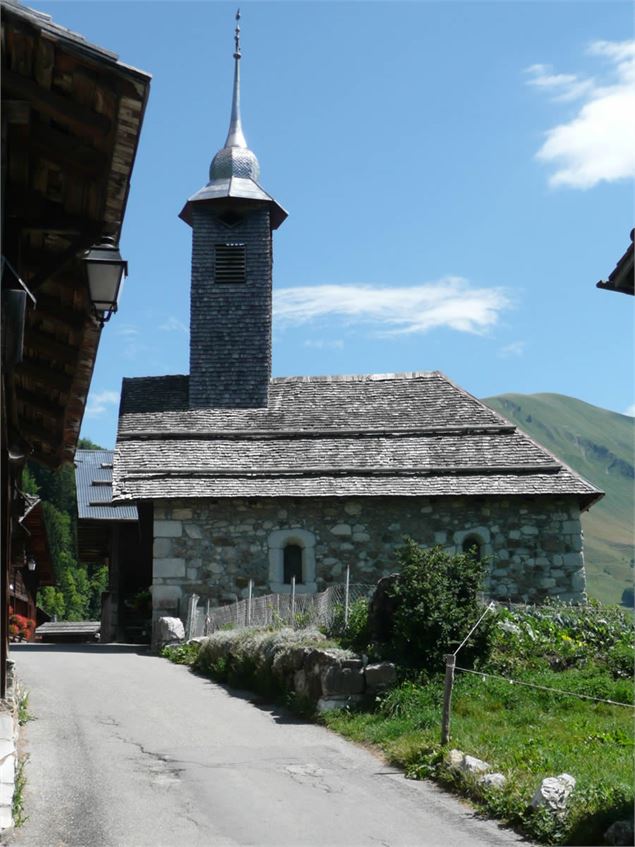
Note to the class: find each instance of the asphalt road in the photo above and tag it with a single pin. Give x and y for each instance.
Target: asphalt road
(127, 750)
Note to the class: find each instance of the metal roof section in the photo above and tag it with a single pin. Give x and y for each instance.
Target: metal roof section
(93, 480)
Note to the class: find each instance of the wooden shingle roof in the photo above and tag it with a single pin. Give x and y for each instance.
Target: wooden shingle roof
(384, 434)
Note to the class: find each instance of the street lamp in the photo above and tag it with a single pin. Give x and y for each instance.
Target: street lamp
(105, 270)
(31, 563)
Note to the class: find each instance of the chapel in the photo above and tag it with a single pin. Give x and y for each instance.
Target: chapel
(295, 479)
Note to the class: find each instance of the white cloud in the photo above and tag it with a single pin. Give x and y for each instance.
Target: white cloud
(598, 142)
(323, 344)
(99, 402)
(516, 348)
(174, 325)
(450, 302)
(127, 330)
(630, 411)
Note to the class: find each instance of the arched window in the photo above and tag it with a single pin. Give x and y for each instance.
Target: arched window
(292, 563)
(472, 545)
(292, 554)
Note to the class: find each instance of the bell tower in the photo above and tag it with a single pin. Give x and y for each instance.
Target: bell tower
(232, 220)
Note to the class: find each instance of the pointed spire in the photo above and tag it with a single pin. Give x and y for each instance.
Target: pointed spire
(235, 159)
(235, 135)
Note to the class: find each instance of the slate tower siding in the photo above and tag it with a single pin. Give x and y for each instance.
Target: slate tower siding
(230, 324)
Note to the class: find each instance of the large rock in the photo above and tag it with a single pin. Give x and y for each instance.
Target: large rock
(493, 780)
(342, 681)
(169, 631)
(472, 765)
(381, 609)
(554, 792)
(380, 676)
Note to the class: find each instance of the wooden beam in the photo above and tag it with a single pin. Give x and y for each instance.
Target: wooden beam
(64, 110)
(47, 345)
(39, 404)
(58, 261)
(31, 210)
(64, 149)
(44, 376)
(50, 307)
(17, 111)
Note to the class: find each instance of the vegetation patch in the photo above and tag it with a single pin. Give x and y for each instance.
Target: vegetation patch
(512, 703)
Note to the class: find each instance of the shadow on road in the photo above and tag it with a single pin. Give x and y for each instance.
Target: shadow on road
(50, 647)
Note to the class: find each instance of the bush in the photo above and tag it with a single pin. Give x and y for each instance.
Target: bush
(21, 627)
(355, 634)
(437, 602)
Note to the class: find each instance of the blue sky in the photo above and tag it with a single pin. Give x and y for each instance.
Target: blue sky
(458, 176)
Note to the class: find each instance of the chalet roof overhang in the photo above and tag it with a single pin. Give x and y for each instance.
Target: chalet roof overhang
(622, 278)
(72, 115)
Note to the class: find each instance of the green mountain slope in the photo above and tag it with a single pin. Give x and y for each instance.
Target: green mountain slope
(598, 444)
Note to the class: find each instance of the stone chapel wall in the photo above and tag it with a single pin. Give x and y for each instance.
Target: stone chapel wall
(213, 547)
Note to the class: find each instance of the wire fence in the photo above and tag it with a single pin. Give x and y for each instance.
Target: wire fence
(299, 611)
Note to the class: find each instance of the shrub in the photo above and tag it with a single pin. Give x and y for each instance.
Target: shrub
(437, 596)
(182, 654)
(21, 627)
(355, 634)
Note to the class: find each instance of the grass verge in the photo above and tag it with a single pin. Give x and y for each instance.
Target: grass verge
(523, 733)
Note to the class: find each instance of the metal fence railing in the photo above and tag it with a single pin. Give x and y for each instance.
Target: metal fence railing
(276, 610)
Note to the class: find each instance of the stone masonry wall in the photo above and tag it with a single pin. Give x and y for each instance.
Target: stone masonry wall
(213, 547)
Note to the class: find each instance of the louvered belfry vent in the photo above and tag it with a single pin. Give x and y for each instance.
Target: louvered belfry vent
(230, 263)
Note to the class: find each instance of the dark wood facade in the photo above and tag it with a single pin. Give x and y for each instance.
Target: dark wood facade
(71, 118)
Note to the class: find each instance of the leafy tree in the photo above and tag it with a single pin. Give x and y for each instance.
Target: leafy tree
(51, 599)
(78, 592)
(87, 444)
(437, 602)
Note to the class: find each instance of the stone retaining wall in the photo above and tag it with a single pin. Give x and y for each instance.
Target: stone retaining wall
(213, 547)
(327, 677)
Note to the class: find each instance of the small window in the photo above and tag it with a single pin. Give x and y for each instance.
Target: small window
(472, 546)
(230, 263)
(293, 564)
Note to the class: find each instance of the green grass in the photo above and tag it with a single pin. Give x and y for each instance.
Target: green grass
(523, 733)
(19, 817)
(598, 444)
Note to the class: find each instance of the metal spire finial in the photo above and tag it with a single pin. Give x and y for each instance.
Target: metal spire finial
(235, 136)
(235, 159)
(237, 36)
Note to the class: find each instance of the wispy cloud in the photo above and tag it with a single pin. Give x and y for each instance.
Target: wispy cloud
(598, 142)
(127, 330)
(324, 344)
(450, 302)
(630, 411)
(174, 325)
(100, 401)
(516, 348)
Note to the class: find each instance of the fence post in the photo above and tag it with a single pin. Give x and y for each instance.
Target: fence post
(191, 615)
(251, 588)
(347, 593)
(450, 662)
(293, 602)
(207, 620)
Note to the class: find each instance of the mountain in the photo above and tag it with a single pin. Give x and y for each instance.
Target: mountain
(598, 444)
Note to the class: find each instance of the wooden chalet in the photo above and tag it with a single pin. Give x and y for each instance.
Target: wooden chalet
(71, 119)
(31, 567)
(119, 536)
